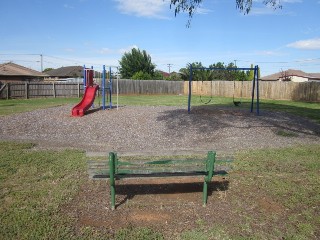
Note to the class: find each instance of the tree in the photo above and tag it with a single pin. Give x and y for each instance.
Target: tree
(285, 76)
(251, 73)
(218, 71)
(134, 62)
(190, 6)
(47, 69)
(141, 76)
(157, 75)
(198, 74)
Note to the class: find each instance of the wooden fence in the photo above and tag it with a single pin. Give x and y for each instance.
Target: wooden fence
(127, 86)
(34, 90)
(307, 91)
(40, 90)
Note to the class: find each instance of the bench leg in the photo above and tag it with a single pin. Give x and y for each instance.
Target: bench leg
(113, 196)
(112, 180)
(205, 193)
(207, 179)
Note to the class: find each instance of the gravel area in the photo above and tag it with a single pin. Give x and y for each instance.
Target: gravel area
(162, 128)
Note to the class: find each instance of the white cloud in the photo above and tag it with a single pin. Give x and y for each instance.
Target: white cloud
(143, 8)
(292, 1)
(114, 51)
(262, 11)
(127, 49)
(201, 10)
(268, 9)
(282, 1)
(268, 53)
(106, 51)
(309, 44)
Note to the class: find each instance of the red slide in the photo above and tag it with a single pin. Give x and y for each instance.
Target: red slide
(86, 102)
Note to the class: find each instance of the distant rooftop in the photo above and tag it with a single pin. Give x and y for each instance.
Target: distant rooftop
(12, 69)
(290, 72)
(71, 71)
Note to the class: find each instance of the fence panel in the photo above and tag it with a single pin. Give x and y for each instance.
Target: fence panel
(39, 90)
(306, 91)
(127, 86)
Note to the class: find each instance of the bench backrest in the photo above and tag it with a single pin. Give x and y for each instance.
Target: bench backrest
(157, 166)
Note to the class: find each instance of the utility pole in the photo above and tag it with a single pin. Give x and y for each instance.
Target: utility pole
(169, 66)
(41, 60)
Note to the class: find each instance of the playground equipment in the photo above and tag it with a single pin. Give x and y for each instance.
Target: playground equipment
(255, 86)
(210, 99)
(107, 87)
(91, 89)
(89, 94)
(237, 103)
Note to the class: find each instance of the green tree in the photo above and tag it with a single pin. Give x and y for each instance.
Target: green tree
(251, 73)
(221, 73)
(47, 69)
(174, 77)
(198, 72)
(157, 75)
(134, 62)
(190, 6)
(141, 76)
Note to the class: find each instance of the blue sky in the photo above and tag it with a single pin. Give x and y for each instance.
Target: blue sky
(97, 32)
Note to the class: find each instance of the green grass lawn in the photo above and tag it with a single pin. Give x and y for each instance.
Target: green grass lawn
(305, 109)
(13, 106)
(35, 187)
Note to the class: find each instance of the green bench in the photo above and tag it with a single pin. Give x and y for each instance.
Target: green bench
(155, 166)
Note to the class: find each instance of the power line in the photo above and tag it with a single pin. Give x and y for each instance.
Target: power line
(296, 61)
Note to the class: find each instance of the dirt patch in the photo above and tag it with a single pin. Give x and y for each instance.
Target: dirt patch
(163, 204)
(268, 205)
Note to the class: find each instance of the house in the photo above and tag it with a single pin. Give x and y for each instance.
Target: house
(11, 72)
(65, 74)
(171, 76)
(164, 74)
(293, 76)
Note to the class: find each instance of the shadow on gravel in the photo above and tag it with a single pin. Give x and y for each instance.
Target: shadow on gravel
(211, 119)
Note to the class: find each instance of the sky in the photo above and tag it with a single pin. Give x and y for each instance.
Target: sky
(99, 32)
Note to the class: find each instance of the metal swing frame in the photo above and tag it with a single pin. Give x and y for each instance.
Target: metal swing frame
(255, 85)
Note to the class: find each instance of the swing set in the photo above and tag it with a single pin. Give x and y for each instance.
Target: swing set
(237, 103)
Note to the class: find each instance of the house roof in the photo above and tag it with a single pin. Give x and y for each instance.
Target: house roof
(12, 69)
(315, 75)
(165, 74)
(290, 72)
(71, 71)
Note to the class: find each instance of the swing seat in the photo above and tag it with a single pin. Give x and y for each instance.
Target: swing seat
(237, 103)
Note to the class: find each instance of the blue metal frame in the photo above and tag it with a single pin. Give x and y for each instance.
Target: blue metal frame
(103, 83)
(255, 84)
(108, 88)
(84, 78)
